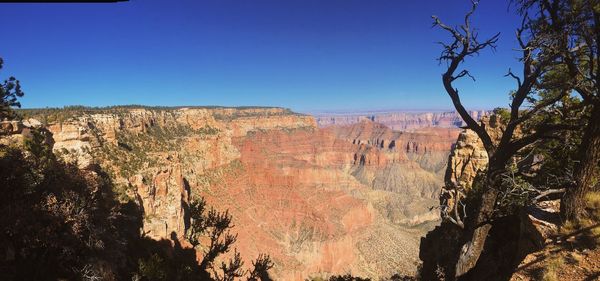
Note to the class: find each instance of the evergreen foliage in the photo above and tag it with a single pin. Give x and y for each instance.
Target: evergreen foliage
(10, 91)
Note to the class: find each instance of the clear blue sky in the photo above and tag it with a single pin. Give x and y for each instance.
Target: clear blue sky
(302, 54)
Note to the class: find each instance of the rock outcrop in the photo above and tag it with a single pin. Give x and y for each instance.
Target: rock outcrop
(15, 133)
(467, 159)
(163, 202)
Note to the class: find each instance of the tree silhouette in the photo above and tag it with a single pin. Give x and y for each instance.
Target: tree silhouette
(231, 269)
(575, 26)
(214, 225)
(535, 62)
(261, 267)
(10, 91)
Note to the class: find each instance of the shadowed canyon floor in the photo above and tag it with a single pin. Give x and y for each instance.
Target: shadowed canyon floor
(350, 198)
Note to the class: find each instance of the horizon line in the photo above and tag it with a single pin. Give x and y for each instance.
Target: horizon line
(316, 113)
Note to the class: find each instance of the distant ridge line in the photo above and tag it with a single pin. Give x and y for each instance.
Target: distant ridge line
(139, 106)
(386, 111)
(400, 120)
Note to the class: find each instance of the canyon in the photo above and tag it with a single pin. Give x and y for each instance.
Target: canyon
(321, 195)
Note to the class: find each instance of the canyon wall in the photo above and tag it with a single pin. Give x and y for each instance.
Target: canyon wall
(398, 120)
(342, 199)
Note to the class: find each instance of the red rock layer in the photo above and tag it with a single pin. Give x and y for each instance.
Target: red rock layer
(320, 201)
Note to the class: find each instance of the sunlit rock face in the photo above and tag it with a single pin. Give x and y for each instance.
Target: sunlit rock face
(468, 156)
(467, 159)
(335, 200)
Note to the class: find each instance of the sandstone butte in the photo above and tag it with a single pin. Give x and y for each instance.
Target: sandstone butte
(350, 198)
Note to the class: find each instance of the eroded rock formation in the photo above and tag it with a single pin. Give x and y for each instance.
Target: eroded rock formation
(320, 201)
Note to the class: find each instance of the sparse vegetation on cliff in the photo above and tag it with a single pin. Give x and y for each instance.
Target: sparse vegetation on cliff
(61, 221)
(64, 222)
(58, 115)
(248, 112)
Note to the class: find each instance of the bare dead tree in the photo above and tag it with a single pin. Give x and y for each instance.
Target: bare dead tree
(535, 62)
(518, 192)
(453, 208)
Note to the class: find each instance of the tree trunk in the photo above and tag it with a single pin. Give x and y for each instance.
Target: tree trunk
(573, 203)
(479, 227)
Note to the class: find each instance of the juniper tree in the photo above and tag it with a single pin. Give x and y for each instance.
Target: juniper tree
(534, 62)
(575, 25)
